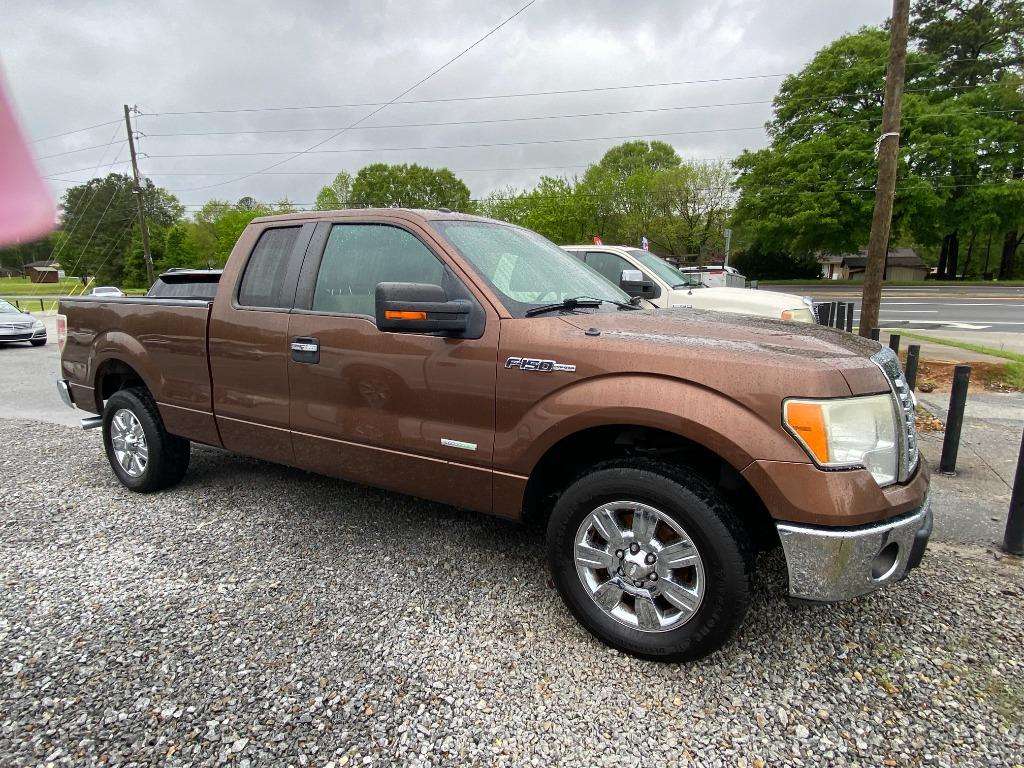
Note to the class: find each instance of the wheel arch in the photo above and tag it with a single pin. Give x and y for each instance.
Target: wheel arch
(574, 453)
(112, 375)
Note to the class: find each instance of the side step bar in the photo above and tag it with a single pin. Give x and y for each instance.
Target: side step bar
(92, 422)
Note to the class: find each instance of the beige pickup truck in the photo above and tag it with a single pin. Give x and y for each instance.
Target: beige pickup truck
(475, 363)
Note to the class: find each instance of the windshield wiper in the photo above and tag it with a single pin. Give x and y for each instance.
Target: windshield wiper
(575, 303)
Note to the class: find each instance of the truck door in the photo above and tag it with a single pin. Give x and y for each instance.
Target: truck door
(412, 412)
(248, 339)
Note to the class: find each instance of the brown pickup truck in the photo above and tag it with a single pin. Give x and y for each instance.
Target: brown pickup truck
(474, 363)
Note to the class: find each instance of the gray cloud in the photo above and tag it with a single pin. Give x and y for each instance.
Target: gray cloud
(75, 64)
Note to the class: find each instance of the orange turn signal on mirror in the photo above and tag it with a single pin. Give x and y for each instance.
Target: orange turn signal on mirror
(399, 315)
(788, 315)
(807, 420)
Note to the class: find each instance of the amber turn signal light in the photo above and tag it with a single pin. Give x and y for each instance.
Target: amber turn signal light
(807, 420)
(390, 314)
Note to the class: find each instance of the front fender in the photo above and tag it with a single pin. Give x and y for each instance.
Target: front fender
(725, 427)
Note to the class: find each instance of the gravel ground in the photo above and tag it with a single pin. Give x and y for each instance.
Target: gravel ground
(258, 615)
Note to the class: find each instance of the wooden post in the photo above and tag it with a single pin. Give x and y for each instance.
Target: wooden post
(143, 229)
(888, 155)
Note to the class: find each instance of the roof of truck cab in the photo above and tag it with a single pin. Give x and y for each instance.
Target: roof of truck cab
(410, 214)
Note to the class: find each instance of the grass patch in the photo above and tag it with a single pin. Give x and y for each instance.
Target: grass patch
(1014, 356)
(1012, 377)
(20, 286)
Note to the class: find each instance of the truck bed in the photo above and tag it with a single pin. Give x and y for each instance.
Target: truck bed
(165, 342)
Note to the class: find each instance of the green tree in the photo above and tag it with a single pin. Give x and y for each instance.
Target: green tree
(973, 41)
(757, 263)
(25, 253)
(335, 195)
(978, 48)
(409, 186)
(811, 188)
(99, 221)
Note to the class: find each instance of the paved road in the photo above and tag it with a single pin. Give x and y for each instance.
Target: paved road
(979, 311)
(28, 382)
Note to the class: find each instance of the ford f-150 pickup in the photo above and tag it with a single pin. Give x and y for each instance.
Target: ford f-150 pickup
(474, 363)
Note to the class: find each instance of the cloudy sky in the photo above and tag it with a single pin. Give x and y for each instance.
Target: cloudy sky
(222, 64)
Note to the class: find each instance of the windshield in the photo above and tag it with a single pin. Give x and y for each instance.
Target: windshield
(659, 267)
(6, 308)
(525, 269)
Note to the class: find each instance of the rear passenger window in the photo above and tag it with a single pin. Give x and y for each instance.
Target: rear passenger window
(263, 284)
(358, 256)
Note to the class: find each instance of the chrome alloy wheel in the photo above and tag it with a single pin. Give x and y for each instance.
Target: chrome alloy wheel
(129, 442)
(639, 566)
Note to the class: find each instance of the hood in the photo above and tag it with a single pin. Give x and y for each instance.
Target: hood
(736, 345)
(744, 300)
(16, 323)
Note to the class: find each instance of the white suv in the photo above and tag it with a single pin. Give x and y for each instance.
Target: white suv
(641, 273)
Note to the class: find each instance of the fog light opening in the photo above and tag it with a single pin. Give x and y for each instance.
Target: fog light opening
(885, 561)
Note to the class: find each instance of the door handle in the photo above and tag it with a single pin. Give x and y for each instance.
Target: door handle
(305, 349)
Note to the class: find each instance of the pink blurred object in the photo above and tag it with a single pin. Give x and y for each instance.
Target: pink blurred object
(27, 211)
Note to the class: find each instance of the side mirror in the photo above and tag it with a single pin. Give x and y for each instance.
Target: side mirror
(633, 282)
(419, 308)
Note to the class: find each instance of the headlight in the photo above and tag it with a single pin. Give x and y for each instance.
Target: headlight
(37, 325)
(847, 433)
(798, 315)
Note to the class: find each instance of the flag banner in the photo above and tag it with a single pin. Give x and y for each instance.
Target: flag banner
(597, 240)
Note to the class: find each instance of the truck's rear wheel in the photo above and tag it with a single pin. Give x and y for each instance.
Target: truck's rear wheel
(142, 454)
(651, 560)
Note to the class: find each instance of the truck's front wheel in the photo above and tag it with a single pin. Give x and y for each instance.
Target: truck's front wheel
(651, 560)
(142, 454)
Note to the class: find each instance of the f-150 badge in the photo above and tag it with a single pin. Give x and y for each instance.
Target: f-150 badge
(533, 364)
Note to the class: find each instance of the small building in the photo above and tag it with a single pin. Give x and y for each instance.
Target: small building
(900, 264)
(45, 271)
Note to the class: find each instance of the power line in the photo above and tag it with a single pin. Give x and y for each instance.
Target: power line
(490, 121)
(487, 145)
(76, 130)
(488, 97)
(74, 151)
(380, 108)
(58, 248)
(461, 122)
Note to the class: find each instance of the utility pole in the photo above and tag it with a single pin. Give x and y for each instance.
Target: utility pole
(888, 155)
(143, 229)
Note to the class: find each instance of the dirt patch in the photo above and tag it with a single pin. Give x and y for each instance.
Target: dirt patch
(933, 376)
(927, 422)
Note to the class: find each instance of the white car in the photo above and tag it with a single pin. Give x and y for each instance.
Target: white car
(641, 273)
(107, 290)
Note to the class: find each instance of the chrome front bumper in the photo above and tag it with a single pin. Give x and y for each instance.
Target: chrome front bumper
(833, 564)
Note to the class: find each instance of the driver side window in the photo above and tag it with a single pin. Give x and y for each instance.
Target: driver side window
(608, 264)
(358, 256)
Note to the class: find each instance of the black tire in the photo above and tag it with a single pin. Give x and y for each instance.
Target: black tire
(168, 455)
(721, 541)
(37, 342)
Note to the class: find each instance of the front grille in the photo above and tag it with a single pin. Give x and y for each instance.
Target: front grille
(15, 337)
(15, 326)
(889, 364)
